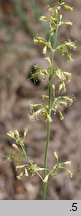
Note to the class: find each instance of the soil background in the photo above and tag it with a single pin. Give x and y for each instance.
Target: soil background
(19, 22)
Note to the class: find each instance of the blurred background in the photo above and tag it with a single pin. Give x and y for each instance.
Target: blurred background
(19, 23)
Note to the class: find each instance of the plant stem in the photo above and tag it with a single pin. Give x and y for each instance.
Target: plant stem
(48, 122)
(45, 160)
(47, 142)
(24, 152)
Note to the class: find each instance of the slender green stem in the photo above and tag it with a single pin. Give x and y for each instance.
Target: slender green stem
(56, 36)
(48, 123)
(24, 152)
(47, 143)
(23, 149)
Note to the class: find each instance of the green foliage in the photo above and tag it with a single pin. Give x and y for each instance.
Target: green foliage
(51, 102)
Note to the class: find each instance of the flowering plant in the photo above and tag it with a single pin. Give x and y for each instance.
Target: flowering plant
(51, 102)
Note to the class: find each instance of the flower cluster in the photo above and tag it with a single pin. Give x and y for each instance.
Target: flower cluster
(55, 20)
